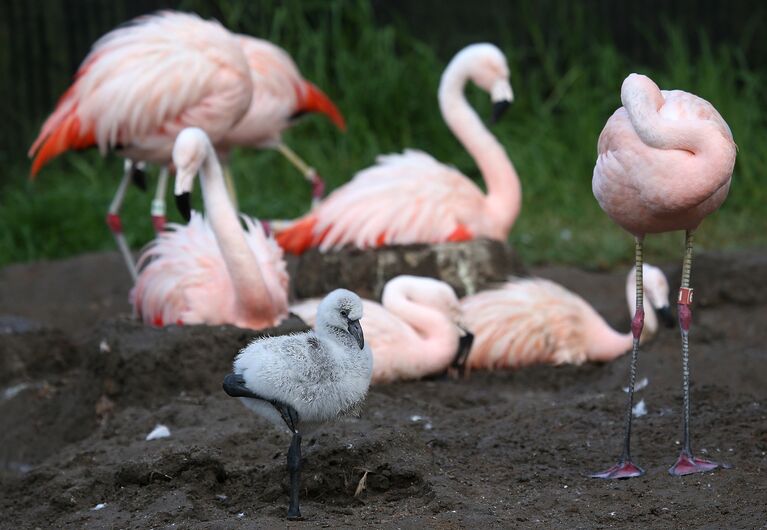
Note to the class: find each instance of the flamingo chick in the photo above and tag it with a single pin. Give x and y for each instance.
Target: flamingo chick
(414, 332)
(306, 379)
(412, 198)
(665, 162)
(139, 86)
(536, 321)
(210, 271)
(280, 96)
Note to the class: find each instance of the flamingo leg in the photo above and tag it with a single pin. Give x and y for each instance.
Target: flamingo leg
(309, 173)
(294, 468)
(625, 468)
(158, 203)
(115, 224)
(687, 463)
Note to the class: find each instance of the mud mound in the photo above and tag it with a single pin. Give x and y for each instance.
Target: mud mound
(497, 449)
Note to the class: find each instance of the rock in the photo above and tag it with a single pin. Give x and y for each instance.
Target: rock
(467, 266)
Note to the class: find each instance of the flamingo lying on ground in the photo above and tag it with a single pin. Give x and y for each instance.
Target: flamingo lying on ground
(665, 162)
(536, 321)
(412, 198)
(139, 86)
(210, 271)
(280, 95)
(413, 333)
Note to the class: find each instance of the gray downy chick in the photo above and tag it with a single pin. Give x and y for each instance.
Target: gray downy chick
(305, 379)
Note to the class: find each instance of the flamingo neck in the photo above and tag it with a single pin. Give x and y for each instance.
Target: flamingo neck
(436, 333)
(250, 290)
(643, 108)
(504, 194)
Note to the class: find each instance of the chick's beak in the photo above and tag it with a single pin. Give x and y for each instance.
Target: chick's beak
(355, 330)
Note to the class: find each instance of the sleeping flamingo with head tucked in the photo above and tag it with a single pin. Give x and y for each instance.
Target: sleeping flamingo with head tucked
(665, 162)
(414, 332)
(412, 198)
(211, 271)
(535, 321)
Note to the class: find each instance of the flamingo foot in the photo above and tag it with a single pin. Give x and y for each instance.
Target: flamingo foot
(687, 464)
(158, 222)
(623, 469)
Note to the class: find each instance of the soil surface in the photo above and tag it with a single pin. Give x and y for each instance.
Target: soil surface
(82, 384)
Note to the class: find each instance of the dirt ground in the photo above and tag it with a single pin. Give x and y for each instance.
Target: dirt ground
(81, 385)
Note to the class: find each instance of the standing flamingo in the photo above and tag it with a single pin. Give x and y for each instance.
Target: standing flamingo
(413, 333)
(210, 271)
(280, 95)
(665, 162)
(139, 86)
(536, 321)
(412, 198)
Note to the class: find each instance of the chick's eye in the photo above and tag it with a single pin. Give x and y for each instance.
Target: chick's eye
(344, 313)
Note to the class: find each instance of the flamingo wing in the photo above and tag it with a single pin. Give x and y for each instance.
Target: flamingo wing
(144, 82)
(524, 322)
(184, 279)
(405, 198)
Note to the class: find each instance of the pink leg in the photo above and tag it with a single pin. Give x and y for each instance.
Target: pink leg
(687, 463)
(115, 224)
(310, 174)
(625, 468)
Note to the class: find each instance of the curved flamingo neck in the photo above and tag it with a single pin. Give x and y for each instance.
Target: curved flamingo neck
(504, 194)
(250, 289)
(643, 103)
(435, 330)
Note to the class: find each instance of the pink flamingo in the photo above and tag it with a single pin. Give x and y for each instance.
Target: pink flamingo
(414, 332)
(412, 198)
(280, 95)
(139, 86)
(665, 162)
(536, 321)
(210, 271)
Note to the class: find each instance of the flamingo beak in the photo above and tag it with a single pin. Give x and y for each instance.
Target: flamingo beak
(315, 100)
(501, 95)
(184, 205)
(355, 330)
(666, 316)
(499, 108)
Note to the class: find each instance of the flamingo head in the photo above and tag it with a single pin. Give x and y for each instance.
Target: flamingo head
(342, 310)
(427, 292)
(191, 149)
(489, 70)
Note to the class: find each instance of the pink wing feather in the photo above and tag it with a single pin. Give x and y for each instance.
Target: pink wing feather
(184, 278)
(144, 82)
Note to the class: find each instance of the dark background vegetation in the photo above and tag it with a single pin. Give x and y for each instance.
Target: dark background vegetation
(381, 61)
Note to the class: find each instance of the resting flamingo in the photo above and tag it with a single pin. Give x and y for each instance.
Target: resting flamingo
(536, 321)
(210, 271)
(665, 162)
(414, 332)
(412, 198)
(138, 87)
(280, 95)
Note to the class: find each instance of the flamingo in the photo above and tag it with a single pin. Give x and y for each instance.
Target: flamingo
(210, 271)
(412, 198)
(665, 162)
(414, 332)
(280, 95)
(138, 87)
(533, 320)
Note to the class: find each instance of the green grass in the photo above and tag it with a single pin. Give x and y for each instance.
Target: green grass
(566, 86)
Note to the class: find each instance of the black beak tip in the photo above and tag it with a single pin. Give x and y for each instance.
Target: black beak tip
(667, 316)
(465, 343)
(499, 108)
(184, 206)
